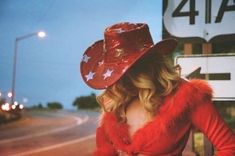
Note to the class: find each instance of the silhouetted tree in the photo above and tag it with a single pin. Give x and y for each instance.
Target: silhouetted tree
(54, 105)
(86, 102)
(40, 106)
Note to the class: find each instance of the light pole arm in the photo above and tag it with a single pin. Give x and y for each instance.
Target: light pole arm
(26, 36)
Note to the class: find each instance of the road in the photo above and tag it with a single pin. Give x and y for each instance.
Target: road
(48, 133)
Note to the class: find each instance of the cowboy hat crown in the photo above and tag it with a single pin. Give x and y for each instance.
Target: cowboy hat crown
(107, 60)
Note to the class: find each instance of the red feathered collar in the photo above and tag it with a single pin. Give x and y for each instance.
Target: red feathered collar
(174, 110)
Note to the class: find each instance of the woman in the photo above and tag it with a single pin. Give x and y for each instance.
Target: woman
(147, 108)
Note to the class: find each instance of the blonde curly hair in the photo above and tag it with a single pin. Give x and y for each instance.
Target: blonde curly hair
(150, 79)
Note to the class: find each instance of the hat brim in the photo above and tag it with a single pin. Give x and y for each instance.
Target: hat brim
(98, 67)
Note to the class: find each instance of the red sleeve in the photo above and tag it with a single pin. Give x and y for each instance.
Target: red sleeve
(104, 146)
(205, 117)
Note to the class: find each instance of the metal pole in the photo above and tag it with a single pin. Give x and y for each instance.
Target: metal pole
(15, 63)
(14, 71)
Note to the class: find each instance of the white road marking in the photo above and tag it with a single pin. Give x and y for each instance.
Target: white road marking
(79, 121)
(55, 146)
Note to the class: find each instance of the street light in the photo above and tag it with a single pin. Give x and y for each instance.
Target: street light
(40, 34)
(9, 94)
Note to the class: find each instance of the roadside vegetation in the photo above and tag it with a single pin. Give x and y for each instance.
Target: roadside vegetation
(86, 102)
(49, 106)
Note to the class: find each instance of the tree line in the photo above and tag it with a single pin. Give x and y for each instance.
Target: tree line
(82, 102)
(86, 102)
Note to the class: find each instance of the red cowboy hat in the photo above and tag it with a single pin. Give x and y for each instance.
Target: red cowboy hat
(124, 43)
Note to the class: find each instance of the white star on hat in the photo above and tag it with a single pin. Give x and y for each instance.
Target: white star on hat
(108, 73)
(89, 76)
(85, 58)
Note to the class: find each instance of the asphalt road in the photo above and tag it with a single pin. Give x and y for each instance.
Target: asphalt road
(43, 133)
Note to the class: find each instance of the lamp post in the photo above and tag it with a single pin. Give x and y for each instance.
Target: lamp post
(40, 34)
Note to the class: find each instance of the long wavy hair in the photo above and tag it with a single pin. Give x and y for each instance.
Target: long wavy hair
(150, 79)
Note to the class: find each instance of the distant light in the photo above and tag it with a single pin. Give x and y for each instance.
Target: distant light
(9, 94)
(41, 34)
(16, 103)
(21, 106)
(5, 107)
(0, 94)
(13, 106)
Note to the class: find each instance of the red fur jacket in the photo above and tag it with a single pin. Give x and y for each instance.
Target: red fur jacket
(190, 106)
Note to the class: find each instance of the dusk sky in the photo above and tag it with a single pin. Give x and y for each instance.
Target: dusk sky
(48, 69)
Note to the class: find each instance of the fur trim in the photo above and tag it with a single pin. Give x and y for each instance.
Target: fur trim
(105, 151)
(116, 131)
(173, 114)
(203, 88)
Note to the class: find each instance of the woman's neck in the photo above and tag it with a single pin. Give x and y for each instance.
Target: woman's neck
(137, 116)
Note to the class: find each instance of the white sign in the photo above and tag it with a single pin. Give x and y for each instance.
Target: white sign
(218, 70)
(201, 18)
